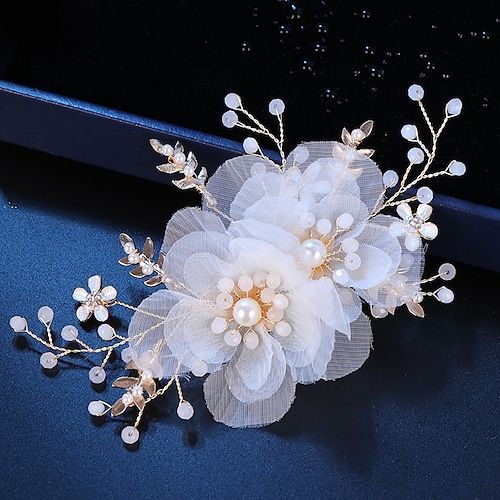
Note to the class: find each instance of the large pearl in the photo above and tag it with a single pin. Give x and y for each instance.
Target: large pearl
(247, 312)
(313, 253)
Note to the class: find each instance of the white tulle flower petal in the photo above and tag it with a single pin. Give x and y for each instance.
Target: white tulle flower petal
(375, 267)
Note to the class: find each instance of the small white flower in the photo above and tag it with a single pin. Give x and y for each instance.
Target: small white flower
(95, 302)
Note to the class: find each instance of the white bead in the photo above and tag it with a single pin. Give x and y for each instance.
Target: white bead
(447, 271)
(96, 408)
(379, 312)
(179, 157)
(323, 226)
(454, 107)
(390, 178)
(344, 221)
(130, 435)
(128, 248)
(134, 258)
(127, 399)
(412, 242)
(229, 119)
(276, 107)
(250, 145)
(126, 354)
(147, 268)
(358, 135)
(280, 301)
(224, 300)
(108, 293)
(445, 295)
(259, 279)
(409, 132)
(48, 360)
(429, 231)
(415, 156)
(312, 253)
(137, 390)
(106, 332)
(245, 283)
(350, 245)
(274, 314)
(424, 194)
(83, 313)
(267, 295)
(80, 294)
(300, 155)
(69, 333)
(18, 323)
(273, 280)
(94, 283)
(415, 92)
(456, 168)
(232, 338)
(352, 261)
(218, 325)
(185, 410)
(97, 375)
(251, 340)
(167, 150)
(340, 276)
(101, 313)
(232, 100)
(283, 329)
(199, 368)
(225, 285)
(247, 312)
(45, 315)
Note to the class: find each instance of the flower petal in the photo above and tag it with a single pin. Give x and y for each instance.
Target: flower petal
(428, 230)
(374, 268)
(424, 211)
(404, 211)
(95, 283)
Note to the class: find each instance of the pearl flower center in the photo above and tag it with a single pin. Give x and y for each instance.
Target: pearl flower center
(247, 312)
(313, 252)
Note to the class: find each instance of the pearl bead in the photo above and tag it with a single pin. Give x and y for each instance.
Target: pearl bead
(134, 258)
(456, 168)
(352, 261)
(69, 333)
(259, 279)
(250, 145)
(251, 340)
(415, 155)
(424, 194)
(345, 221)
(137, 390)
(283, 329)
(225, 285)
(447, 271)
(224, 300)
(185, 410)
(106, 332)
(245, 283)
(147, 268)
(350, 245)
(97, 375)
(127, 399)
(18, 323)
(45, 315)
(232, 338)
(445, 295)
(80, 294)
(128, 248)
(218, 325)
(267, 295)
(313, 253)
(101, 313)
(229, 119)
(323, 226)
(48, 360)
(280, 301)
(232, 100)
(126, 354)
(96, 408)
(179, 157)
(390, 178)
(415, 92)
(199, 368)
(167, 150)
(273, 280)
(379, 312)
(340, 276)
(409, 132)
(108, 293)
(454, 107)
(358, 135)
(247, 312)
(130, 435)
(276, 107)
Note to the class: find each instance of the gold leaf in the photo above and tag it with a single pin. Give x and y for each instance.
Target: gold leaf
(124, 261)
(168, 168)
(367, 127)
(148, 249)
(183, 184)
(150, 385)
(203, 174)
(178, 148)
(124, 239)
(156, 145)
(415, 309)
(154, 281)
(161, 259)
(118, 408)
(346, 138)
(139, 401)
(367, 152)
(125, 382)
(131, 365)
(137, 273)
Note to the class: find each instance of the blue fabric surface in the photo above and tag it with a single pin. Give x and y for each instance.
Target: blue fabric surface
(419, 420)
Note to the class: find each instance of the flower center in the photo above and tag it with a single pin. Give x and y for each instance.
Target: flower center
(313, 253)
(247, 312)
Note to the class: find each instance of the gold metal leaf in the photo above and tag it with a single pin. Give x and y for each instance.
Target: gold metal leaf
(139, 401)
(168, 168)
(161, 259)
(148, 249)
(346, 138)
(124, 261)
(125, 382)
(367, 152)
(137, 273)
(124, 239)
(118, 408)
(154, 281)
(131, 365)
(415, 309)
(203, 175)
(183, 184)
(178, 148)
(367, 127)
(150, 386)
(156, 145)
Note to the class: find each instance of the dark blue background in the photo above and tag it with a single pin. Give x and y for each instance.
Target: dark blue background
(419, 420)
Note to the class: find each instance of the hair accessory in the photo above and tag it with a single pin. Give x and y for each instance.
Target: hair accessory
(264, 287)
